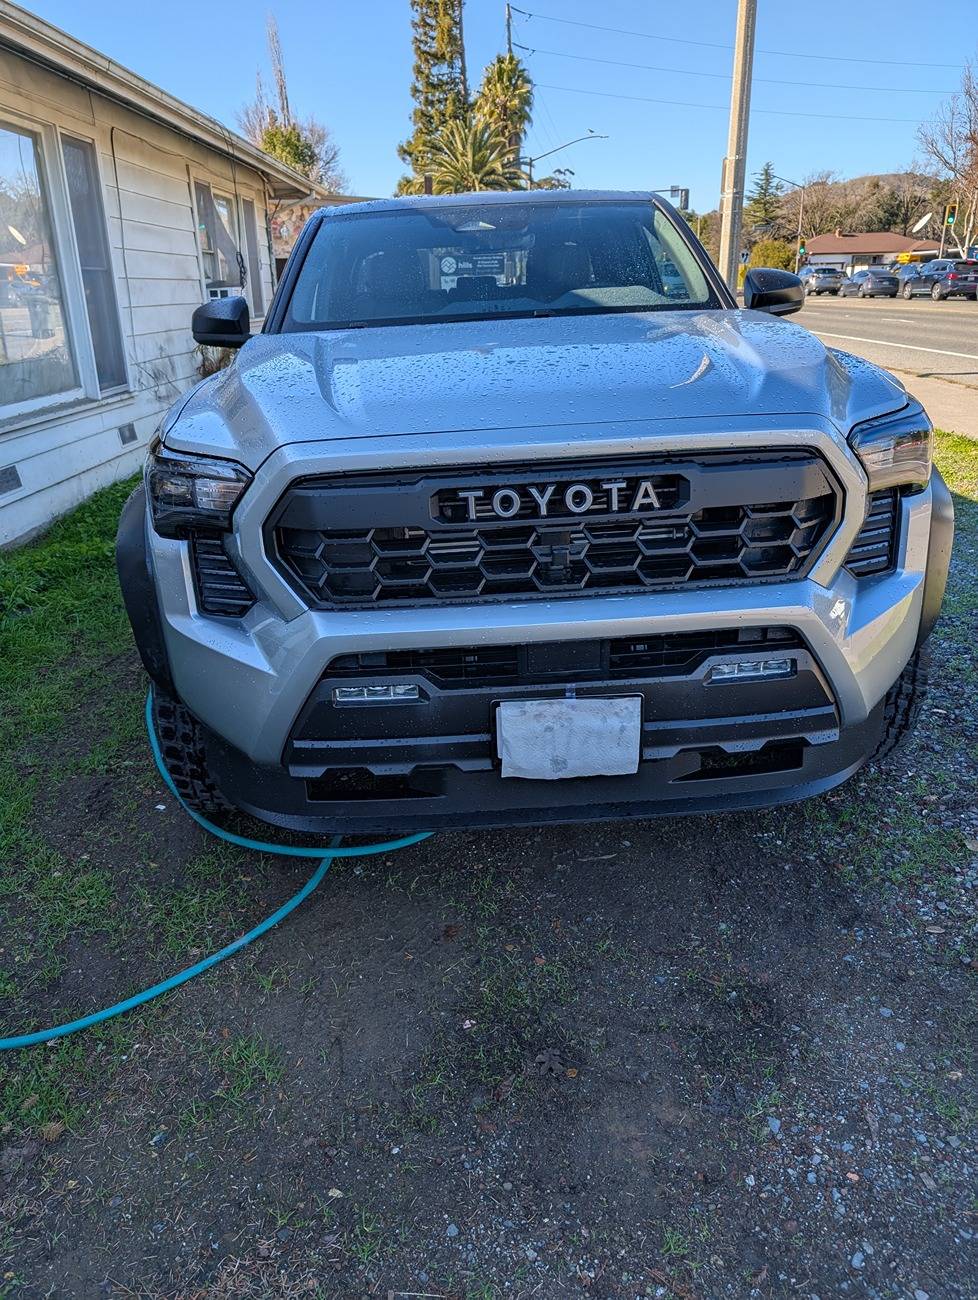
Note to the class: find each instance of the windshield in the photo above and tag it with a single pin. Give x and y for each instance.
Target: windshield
(416, 265)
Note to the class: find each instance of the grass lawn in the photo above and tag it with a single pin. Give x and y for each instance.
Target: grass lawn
(574, 1047)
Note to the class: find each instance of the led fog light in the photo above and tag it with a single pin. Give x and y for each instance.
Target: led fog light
(383, 694)
(745, 670)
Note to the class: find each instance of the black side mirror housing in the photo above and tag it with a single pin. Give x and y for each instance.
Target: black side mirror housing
(776, 292)
(222, 323)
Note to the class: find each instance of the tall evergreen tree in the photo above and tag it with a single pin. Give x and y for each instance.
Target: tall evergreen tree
(763, 207)
(439, 87)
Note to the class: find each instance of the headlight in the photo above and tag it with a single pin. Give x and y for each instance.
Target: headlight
(192, 491)
(896, 450)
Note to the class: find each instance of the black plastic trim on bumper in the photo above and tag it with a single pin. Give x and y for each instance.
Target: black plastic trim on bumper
(454, 726)
(139, 590)
(482, 799)
(938, 554)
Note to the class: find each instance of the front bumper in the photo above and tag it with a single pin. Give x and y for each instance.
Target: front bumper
(447, 796)
(248, 680)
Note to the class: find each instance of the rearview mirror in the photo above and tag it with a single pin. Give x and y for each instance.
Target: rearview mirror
(222, 323)
(776, 292)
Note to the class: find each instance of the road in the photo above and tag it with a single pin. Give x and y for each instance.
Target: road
(920, 337)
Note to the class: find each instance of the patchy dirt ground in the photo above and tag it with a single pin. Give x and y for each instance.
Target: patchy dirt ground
(725, 1056)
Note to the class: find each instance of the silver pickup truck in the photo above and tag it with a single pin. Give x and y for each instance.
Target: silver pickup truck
(510, 514)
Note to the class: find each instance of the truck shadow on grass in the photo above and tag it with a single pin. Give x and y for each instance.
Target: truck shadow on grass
(726, 1055)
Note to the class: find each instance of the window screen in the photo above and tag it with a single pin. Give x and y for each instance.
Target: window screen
(88, 220)
(254, 266)
(218, 227)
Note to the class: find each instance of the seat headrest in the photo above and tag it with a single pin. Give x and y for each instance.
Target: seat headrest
(395, 275)
(558, 269)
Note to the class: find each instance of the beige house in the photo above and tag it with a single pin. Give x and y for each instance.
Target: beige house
(121, 209)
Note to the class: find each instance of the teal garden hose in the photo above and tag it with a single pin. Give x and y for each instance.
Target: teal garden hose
(326, 858)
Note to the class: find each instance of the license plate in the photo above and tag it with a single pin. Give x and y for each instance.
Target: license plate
(555, 740)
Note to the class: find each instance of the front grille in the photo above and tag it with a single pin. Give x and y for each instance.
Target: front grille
(677, 654)
(427, 538)
(220, 588)
(874, 550)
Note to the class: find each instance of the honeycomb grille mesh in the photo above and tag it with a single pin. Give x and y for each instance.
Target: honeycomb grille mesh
(411, 565)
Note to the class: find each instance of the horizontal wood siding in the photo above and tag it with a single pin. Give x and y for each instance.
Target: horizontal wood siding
(147, 173)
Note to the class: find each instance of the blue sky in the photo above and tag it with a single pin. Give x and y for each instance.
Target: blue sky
(349, 63)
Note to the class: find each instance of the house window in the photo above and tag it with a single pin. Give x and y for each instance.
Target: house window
(36, 359)
(224, 267)
(84, 194)
(254, 266)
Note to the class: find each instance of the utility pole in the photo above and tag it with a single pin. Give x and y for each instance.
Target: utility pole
(735, 163)
(509, 30)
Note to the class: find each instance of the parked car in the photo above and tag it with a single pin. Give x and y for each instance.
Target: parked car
(822, 279)
(942, 278)
(488, 552)
(872, 282)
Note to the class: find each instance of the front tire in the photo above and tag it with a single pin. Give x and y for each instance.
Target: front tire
(904, 701)
(907, 292)
(181, 742)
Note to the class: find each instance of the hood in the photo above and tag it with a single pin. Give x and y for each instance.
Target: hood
(441, 378)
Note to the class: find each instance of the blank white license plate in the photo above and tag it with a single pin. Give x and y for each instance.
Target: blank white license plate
(553, 740)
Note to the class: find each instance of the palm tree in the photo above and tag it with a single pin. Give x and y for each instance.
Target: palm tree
(473, 156)
(505, 98)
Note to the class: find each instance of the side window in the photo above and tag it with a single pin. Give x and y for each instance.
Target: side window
(88, 220)
(224, 267)
(37, 359)
(254, 263)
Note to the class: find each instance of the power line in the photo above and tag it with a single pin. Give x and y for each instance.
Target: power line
(768, 112)
(716, 45)
(725, 76)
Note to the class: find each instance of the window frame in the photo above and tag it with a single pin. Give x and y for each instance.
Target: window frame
(236, 196)
(51, 169)
(125, 385)
(69, 274)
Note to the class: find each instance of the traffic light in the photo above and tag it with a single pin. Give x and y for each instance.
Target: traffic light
(950, 214)
(683, 200)
(802, 248)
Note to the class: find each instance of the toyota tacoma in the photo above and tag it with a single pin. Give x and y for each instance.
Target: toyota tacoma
(511, 514)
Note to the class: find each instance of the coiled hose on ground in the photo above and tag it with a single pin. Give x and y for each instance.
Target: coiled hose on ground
(326, 858)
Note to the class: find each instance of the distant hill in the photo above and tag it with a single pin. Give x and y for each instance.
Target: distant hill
(893, 201)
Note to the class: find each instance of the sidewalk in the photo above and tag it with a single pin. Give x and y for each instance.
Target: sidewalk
(952, 407)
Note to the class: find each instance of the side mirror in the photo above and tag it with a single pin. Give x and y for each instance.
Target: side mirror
(777, 292)
(222, 323)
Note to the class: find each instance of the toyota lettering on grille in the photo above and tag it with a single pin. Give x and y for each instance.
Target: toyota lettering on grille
(540, 500)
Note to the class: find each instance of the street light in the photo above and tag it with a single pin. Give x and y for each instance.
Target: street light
(801, 212)
(591, 135)
(678, 192)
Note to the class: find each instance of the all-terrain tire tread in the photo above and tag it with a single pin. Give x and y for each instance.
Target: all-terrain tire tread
(182, 747)
(904, 701)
